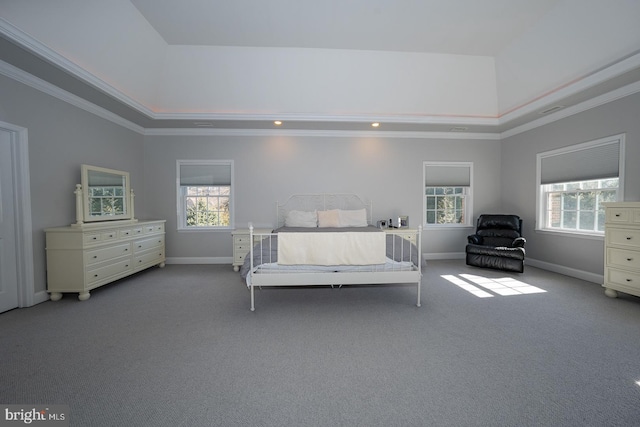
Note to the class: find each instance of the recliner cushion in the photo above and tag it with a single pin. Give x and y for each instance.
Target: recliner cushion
(504, 252)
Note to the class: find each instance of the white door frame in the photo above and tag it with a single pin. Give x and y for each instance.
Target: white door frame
(22, 205)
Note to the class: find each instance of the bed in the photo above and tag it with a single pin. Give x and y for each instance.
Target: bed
(329, 239)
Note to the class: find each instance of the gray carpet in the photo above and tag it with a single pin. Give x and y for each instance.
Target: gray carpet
(179, 347)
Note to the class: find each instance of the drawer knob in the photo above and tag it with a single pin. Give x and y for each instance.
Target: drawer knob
(617, 214)
(95, 256)
(629, 259)
(629, 280)
(95, 275)
(628, 238)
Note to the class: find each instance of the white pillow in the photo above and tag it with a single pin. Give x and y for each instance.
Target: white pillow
(329, 218)
(301, 219)
(353, 218)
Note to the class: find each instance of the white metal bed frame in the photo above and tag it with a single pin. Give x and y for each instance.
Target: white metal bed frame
(324, 202)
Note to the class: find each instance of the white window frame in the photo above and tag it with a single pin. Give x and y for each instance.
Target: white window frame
(541, 208)
(180, 196)
(468, 195)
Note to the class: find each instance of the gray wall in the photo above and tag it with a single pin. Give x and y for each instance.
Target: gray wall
(519, 177)
(61, 138)
(268, 169)
(388, 171)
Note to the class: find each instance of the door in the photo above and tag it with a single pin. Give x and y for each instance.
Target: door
(8, 266)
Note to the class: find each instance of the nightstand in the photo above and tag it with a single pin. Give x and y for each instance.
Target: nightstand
(241, 244)
(406, 233)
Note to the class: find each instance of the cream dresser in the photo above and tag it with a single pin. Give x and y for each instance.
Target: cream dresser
(241, 245)
(83, 258)
(622, 248)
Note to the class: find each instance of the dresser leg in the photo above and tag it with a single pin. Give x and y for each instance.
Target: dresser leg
(236, 268)
(83, 296)
(56, 296)
(610, 293)
(161, 265)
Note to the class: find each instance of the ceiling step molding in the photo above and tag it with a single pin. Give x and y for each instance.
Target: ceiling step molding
(37, 83)
(606, 98)
(39, 49)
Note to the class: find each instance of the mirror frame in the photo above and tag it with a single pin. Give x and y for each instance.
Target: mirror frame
(85, 198)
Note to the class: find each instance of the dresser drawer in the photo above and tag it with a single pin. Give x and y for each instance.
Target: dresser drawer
(619, 215)
(153, 228)
(90, 238)
(104, 254)
(150, 257)
(623, 258)
(623, 237)
(623, 278)
(97, 274)
(144, 244)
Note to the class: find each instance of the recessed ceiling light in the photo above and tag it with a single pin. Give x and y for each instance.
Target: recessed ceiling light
(458, 129)
(203, 124)
(277, 122)
(375, 125)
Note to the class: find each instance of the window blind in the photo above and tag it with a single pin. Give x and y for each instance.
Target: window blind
(589, 163)
(447, 175)
(205, 174)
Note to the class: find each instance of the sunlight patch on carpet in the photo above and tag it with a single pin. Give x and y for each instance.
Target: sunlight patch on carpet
(486, 287)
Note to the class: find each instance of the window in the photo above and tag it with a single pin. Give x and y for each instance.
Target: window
(447, 194)
(205, 194)
(575, 181)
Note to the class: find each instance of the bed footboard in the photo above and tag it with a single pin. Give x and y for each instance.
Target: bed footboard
(404, 265)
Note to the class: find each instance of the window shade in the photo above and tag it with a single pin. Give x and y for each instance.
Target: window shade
(596, 162)
(213, 174)
(447, 176)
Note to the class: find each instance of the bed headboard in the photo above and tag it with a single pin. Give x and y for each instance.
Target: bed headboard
(321, 202)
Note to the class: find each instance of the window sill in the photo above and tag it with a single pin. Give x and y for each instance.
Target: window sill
(579, 235)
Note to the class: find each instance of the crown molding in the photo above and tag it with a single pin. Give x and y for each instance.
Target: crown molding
(320, 133)
(606, 98)
(34, 82)
(612, 71)
(38, 48)
(342, 118)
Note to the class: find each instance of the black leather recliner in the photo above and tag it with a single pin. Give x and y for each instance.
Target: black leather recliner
(497, 244)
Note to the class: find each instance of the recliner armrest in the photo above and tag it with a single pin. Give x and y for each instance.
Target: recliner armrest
(474, 239)
(519, 242)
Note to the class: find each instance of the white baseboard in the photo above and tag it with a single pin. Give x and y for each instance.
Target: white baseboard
(39, 297)
(567, 271)
(199, 260)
